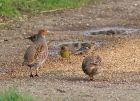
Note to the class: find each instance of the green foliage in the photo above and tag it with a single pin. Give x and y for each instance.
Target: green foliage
(13, 8)
(6, 8)
(14, 95)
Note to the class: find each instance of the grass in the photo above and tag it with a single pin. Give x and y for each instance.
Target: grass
(14, 8)
(14, 95)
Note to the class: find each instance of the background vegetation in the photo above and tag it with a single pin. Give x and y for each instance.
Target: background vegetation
(13, 8)
(14, 95)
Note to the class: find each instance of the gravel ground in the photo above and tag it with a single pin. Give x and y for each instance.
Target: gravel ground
(119, 74)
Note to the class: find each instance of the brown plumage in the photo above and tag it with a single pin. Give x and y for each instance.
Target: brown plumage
(90, 65)
(37, 53)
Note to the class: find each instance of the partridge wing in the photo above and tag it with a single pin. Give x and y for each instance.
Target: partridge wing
(29, 56)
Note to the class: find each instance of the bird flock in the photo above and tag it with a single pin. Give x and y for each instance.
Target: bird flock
(37, 53)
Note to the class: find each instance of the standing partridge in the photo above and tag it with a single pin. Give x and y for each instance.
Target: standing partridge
(90, 65)
(37, 53)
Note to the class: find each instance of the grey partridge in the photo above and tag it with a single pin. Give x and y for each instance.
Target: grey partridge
(37, 53)
(90, 65)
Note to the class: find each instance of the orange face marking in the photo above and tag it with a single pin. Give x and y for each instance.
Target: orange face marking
(43, 31)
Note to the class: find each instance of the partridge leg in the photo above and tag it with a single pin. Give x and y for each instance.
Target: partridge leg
(31, 75)
(91, 78)
(37, 71)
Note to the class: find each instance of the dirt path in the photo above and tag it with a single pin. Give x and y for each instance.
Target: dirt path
(119, 78)
(50, 88)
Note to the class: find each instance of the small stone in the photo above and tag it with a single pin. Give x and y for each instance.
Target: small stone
(24, 33)
(5, 39)
(87, 24)
(135, 4)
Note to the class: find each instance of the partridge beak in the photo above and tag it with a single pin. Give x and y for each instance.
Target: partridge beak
(28, 37)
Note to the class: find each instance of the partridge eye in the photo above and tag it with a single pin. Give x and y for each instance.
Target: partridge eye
(35, 37)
